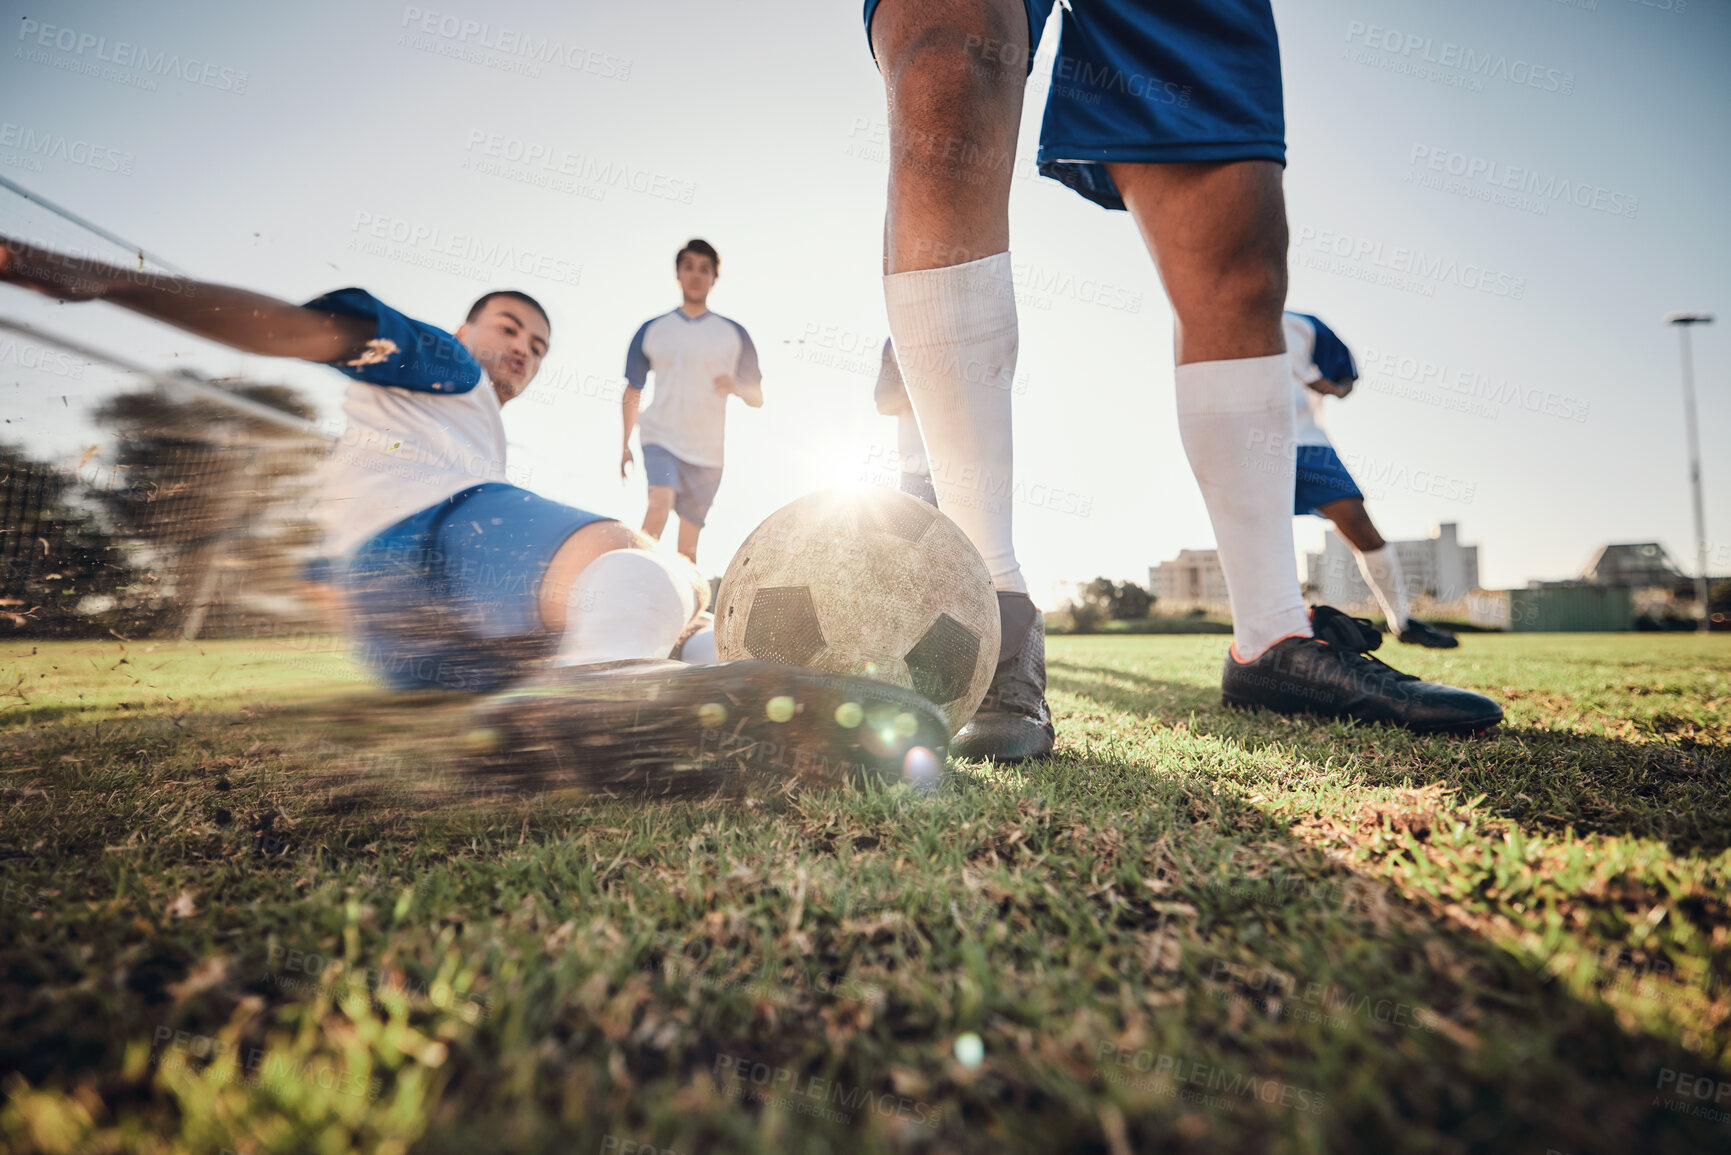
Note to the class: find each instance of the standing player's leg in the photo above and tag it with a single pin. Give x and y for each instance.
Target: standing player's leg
(1380, 566)
(660, 505)
(954, 73)
(1377, 561)
(1218, 235)
(661, 474)
(688, 532)
(694, 493)
(1194, 149)
(954, 118)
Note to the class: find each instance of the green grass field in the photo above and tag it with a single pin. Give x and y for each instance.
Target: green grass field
(251, 904)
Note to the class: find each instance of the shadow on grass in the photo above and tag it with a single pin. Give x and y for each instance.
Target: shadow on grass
(1545, 780)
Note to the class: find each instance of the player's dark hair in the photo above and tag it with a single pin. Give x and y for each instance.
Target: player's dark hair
(513, 294)
(703, 249)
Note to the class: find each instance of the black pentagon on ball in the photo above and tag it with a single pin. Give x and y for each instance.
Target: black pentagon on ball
(783, 626)
(942, 662)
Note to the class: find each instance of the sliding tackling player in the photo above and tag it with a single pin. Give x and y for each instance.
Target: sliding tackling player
(454, 579)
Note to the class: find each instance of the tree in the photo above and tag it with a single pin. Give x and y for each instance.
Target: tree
(1120, 601)
(1130, 602)
(1103, 598)
(62, 573)
(203, 493)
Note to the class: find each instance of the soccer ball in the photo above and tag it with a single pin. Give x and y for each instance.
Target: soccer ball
(868, 582)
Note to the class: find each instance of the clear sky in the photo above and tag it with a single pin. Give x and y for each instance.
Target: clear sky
(1493, 201)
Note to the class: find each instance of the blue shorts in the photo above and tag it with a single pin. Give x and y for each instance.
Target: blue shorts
(693, 486)
(1321, 479)
(1155, 82)
(449, 598)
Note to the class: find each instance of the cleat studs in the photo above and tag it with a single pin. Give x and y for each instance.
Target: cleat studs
(780, 708)
(906, 725)
(849, 715)
(711, 715)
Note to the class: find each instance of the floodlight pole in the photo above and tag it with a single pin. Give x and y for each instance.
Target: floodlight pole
(1683, 321)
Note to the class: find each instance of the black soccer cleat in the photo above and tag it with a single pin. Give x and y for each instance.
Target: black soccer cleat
(1424, 634)
(663, 727)
(1013, 722)
(1334, 675)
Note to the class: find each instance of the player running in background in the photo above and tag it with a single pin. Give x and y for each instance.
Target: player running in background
(1172, 110)
(699, 359)
(1322, 366)
(891, 397)
(453, 579)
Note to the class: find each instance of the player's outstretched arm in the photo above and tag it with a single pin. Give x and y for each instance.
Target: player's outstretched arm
(239, 318)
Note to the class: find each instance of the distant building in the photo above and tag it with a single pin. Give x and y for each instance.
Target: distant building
(1438, 567)
(1624, 581)
(1193, 576)
(1640, 565)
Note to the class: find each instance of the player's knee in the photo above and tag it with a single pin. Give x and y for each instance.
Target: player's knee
(952, 84)
(660, 498)
(607, 536)
(1250, 288)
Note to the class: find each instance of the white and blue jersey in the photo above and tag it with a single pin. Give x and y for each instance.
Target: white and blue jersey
(421, 423)
(1315, 354)
(439, 559)
(686, 416)
(1155, 82)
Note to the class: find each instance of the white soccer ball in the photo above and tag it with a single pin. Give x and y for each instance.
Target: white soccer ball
(869, 582)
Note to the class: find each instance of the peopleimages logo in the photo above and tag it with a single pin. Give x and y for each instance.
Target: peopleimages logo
(583, 168)
(43, 360)
(809, 1095)
(1364, 258)
(124, 54)
(1486, 177)
(1387, 371)
(59, 146)
(1456, 58)
(462, 254)
(526, 47)
(1203, 1084)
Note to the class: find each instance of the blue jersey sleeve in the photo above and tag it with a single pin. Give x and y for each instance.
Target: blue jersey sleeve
(636, 360)
(1333, 359)
(746, 372)
(409, 354)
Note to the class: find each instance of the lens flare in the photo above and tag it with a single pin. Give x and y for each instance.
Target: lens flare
(970, 1050)
(921, 768)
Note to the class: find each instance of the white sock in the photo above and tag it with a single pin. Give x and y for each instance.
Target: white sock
(955, 337)
(699, 648)
(1381, 570)
(1236, 421)
(916, 476)
(627, 603)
